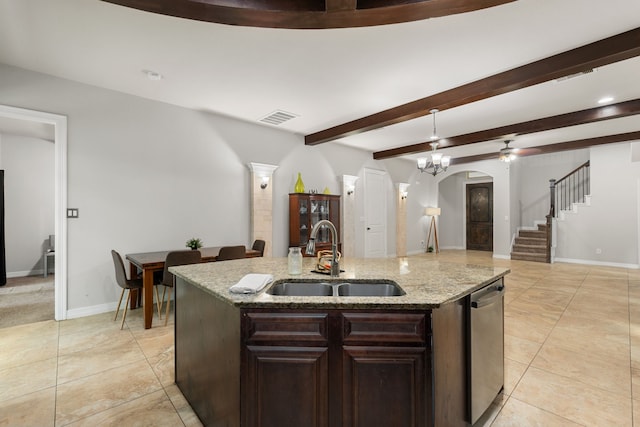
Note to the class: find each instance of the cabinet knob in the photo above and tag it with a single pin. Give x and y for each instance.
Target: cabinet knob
(368, 228)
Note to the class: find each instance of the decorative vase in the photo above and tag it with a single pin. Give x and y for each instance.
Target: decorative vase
(299, 187)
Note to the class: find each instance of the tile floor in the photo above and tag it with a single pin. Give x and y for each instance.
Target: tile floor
(572, 358)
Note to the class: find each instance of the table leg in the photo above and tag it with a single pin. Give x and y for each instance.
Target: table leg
(147, 286)
(135, 296)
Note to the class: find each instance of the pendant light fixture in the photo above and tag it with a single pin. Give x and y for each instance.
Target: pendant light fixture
(438, 163)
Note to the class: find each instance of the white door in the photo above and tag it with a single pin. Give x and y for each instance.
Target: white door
(375, 211)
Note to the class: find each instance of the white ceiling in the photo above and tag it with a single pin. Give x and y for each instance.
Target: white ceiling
(329, 77)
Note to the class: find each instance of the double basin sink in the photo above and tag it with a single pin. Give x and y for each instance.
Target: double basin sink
(342, 289)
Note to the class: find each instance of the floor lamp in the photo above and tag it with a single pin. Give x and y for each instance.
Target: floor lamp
(433, 213)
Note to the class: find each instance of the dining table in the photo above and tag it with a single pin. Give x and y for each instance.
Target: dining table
(147, 263)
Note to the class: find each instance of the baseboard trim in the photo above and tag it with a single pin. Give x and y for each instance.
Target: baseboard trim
(91, 310)
(498, 256)
(599, 263)
(14, 274)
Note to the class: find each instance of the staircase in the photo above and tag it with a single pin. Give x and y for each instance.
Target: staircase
(531, 245)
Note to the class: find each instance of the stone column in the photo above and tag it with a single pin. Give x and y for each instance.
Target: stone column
(348, 220)
(262, 204)
(401, 219)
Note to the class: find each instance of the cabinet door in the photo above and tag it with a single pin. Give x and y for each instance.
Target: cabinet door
(384, 386)
(285, 386)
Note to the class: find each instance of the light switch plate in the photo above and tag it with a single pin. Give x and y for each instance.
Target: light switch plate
(72, 212)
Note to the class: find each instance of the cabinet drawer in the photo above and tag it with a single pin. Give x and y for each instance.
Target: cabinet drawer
(384, 328)
(269, 328)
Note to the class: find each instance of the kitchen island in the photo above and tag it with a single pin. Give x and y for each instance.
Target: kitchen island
(272, 360)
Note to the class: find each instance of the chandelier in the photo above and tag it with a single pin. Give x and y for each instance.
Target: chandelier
(438, 163)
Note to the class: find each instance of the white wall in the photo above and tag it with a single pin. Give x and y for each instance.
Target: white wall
(451, 201)
(29, 201)
(611, 222)
(147, 175)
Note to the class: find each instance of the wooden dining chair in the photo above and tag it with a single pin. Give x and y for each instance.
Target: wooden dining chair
(258, 245)
(125, 284)
(231, 252)
(174, 258)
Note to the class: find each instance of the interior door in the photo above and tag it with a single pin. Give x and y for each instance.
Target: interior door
(375, 211)
(480, 216)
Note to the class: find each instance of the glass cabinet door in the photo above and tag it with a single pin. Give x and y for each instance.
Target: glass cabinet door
(320, 211)
(304, 221)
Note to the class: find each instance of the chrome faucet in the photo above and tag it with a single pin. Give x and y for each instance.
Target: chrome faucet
(311, 245)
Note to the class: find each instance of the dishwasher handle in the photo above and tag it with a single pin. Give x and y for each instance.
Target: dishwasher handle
(489, 298)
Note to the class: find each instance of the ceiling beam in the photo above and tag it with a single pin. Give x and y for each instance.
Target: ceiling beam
(591, 115)
(554, 148)
(603, 52)
(308, 14)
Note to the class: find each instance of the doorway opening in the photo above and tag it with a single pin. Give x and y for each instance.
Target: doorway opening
(60, 171)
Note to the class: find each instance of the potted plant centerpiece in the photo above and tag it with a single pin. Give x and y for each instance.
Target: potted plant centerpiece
(194, 243)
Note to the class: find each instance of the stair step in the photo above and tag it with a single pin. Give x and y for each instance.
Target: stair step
(542, 227)
(533, 233)
(521, 256)
(530, 241)
(530, 249)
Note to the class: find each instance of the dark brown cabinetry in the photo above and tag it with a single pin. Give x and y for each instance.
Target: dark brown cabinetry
(305, 210)
(320, 368)
(341, 368)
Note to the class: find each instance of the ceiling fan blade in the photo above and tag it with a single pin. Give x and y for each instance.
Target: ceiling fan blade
(526, 151)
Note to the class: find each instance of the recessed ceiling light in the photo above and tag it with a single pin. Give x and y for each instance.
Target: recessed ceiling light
(153, 75)
(605, 100)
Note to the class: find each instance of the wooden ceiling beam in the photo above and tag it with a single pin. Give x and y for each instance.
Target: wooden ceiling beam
(554, 148)
(591, 115)
(603, 52)
(308, 14)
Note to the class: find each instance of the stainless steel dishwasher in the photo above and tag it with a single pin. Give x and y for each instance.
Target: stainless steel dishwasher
(486, 346)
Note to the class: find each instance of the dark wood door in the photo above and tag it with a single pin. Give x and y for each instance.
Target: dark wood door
(480, 216)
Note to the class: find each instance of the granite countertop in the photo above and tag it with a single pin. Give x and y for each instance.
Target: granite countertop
(427, 283)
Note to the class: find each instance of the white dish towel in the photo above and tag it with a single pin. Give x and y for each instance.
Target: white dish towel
(251, 283)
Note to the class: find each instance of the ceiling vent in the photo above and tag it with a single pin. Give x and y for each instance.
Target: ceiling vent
(574, 75)
(278, 117)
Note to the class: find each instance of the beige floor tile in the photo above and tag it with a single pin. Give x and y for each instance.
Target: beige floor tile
(513, 372)
(89, 395)
(635, 385)
(526, 325)
(581, 342)
(155, 341)
(80, 341)
(28, 343)
(516, 413)
(154, 409)
(33, 409)
(163, 366)
(28, 378)
(543, 301)
(573, 399)
(188, 416)
(520, 349)
(120, 352)
(598, 372)
(596, 328)
(96, 323)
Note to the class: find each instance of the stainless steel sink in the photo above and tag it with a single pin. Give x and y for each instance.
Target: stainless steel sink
(301, 289)
(369, 290)
(344, 289)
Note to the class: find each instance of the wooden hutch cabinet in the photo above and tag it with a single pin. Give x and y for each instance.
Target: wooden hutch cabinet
(305, 210)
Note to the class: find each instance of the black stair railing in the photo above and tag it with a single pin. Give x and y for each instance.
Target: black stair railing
(571, 188)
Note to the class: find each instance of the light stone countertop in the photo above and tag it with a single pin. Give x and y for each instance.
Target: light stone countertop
(427, 283)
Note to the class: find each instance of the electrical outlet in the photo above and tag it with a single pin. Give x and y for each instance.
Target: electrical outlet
(422, 243)
(598, 251)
